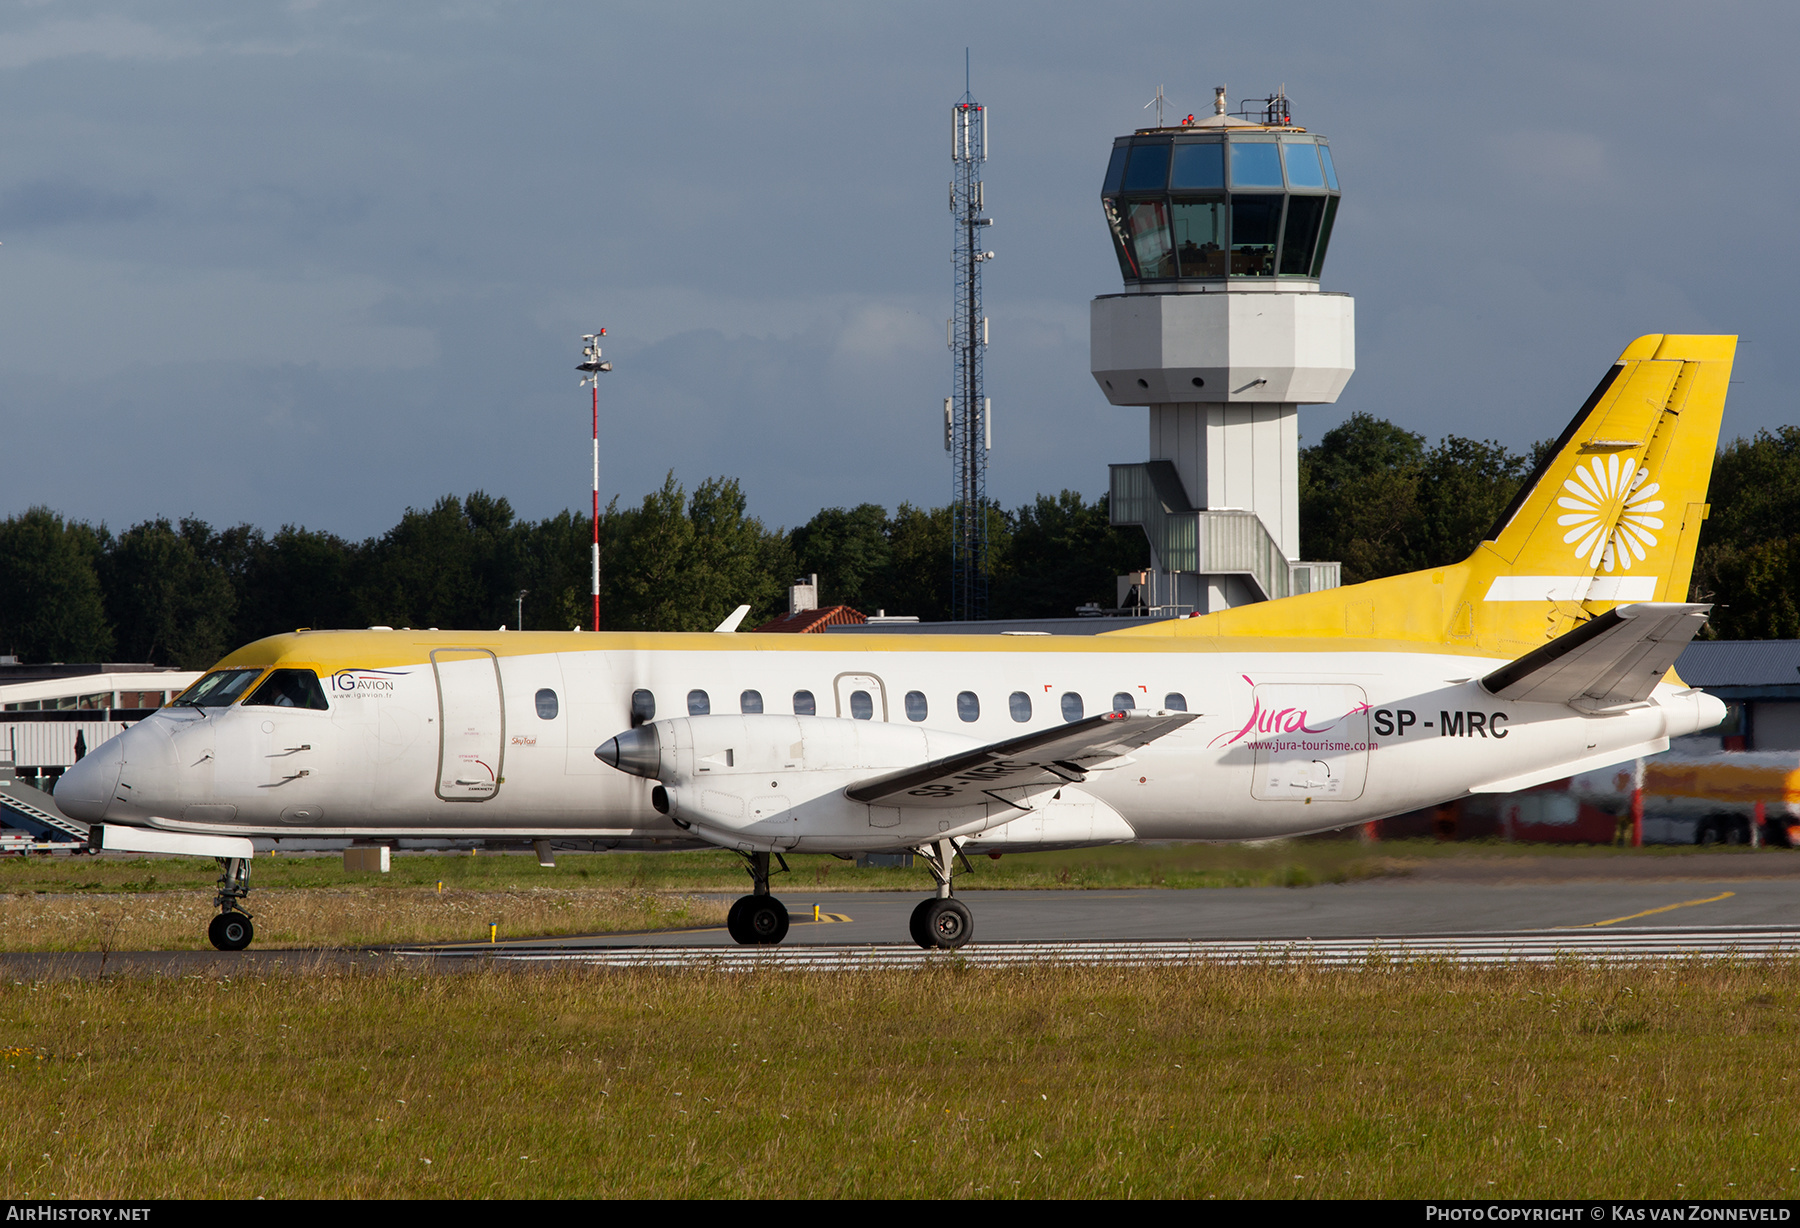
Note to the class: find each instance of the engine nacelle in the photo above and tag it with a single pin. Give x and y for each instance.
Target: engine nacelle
(763, 782)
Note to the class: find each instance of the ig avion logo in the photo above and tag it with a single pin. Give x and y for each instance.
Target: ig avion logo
(1280, 720)
(365, 681)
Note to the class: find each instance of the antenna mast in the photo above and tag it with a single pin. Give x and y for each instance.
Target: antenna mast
(968, 415)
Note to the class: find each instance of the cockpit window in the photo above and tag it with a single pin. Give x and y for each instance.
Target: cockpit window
(289, 688)
(218, 690)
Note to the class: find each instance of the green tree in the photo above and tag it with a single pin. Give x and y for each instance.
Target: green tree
(298, 578)
(1374, 497)
(917, 579)
(1359, 497)
(454, 566)
(1748, 562)
(1464, 486)
(849, 551)
(51, 608)
(677, 563)
(555, 570)
(168, 603)
(1063, 554)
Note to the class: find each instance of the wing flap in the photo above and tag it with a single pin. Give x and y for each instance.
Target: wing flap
(1609, 661)
(1032, 762)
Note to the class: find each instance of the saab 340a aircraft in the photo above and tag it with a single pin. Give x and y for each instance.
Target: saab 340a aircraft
(1547, 652)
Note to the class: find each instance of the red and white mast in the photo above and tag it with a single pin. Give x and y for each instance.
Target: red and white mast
(591, 368)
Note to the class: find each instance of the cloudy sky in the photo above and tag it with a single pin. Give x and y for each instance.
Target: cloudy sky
(316, 263)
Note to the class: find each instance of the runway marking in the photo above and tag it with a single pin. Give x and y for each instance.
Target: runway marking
(1648, 912)
(1536, 947)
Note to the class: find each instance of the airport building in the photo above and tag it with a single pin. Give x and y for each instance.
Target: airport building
(46, 709)
(1222, 332)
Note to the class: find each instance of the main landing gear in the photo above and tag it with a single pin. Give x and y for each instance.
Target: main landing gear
(758, 919)
(942, 922)
(231, 930)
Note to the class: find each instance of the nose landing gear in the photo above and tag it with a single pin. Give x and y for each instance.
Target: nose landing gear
(758, 919)
(942, 922)
(231, 930)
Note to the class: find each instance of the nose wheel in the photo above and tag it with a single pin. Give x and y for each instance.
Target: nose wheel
(231, 930)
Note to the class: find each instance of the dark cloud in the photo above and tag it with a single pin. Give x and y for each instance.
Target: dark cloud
(319, 263)
(66, 202)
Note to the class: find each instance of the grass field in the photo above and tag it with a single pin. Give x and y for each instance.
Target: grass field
(88, 903)
(1385, 1081)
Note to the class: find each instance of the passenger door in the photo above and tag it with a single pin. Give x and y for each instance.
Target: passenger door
(471, 724)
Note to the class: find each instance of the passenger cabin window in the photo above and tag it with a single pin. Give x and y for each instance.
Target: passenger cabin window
(750, 702)
(804, 704)
(698, 703)
(862, 707)
(1123, 702)
(546, 704)
(968, 707)
(1175, 701)
(289, 688)
(1019, 704)
(1071, 706)
(643, 708)
(217, 690)
(916, 708)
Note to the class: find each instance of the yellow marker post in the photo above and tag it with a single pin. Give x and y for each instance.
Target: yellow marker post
(494, 932)
(440, 886)
(815, 912)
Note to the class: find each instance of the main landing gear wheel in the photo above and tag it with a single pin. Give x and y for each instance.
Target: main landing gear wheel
(944, 924)
(915, 924)
(231, 931)
(757, 921)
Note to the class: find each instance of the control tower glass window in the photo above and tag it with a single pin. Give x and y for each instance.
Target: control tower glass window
(1148, 170)
(1115, 222)
(1149, 220)
(1210, 206)
(1115, 170)
(1197, 167)
(1302, 161)
(1303, 213)
(1331, 207)
(1255, 226)
(1255, 166)
(1200, 237)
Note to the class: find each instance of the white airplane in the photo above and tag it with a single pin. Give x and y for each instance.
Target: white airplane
(1547, 652)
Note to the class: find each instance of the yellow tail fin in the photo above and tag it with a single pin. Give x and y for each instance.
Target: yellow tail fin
(1611, 517)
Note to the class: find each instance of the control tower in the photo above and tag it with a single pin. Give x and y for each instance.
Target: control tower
(1221, 227)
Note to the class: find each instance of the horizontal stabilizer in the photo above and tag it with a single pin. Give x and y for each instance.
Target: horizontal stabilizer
(1047, 759)
(1614, 659)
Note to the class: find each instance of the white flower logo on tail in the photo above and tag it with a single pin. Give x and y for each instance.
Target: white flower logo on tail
(1590, 489)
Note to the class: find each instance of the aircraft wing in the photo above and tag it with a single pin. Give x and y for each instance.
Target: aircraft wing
(1047, 759)
(1617, 658)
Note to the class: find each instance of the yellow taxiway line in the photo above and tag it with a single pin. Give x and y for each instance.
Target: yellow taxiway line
(1648, 912)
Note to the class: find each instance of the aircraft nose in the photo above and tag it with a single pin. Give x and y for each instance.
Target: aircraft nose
(85, 790)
